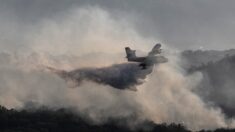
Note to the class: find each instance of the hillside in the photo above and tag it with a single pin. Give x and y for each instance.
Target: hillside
(62, 120)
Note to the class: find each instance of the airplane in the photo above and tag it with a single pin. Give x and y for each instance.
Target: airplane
(135, 74)
(152, 58)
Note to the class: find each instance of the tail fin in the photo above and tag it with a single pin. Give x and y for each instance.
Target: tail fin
(156, 50)
(130, 53)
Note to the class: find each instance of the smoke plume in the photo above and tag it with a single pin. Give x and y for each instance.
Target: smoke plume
(90, 37)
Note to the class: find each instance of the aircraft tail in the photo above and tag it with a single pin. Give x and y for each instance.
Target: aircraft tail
(130, 53)
(156, 50)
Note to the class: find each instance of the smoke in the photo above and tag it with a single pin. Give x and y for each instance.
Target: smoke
(169, 98)
(86, 30)
(165, 97)
(65, 43)
(217, 86)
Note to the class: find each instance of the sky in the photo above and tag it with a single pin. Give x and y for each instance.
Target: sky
(181, 24)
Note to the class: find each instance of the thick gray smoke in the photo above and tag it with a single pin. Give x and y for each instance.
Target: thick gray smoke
(217, 68)
(166, 95)
(90, 37)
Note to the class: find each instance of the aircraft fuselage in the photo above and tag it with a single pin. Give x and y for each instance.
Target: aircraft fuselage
(149, 60)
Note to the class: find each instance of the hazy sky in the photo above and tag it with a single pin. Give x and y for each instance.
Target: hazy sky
(183, 24)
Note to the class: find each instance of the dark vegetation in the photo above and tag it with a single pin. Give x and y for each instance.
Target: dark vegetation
(62, 120)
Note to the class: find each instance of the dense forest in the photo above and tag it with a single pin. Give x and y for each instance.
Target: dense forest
(63, 120)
